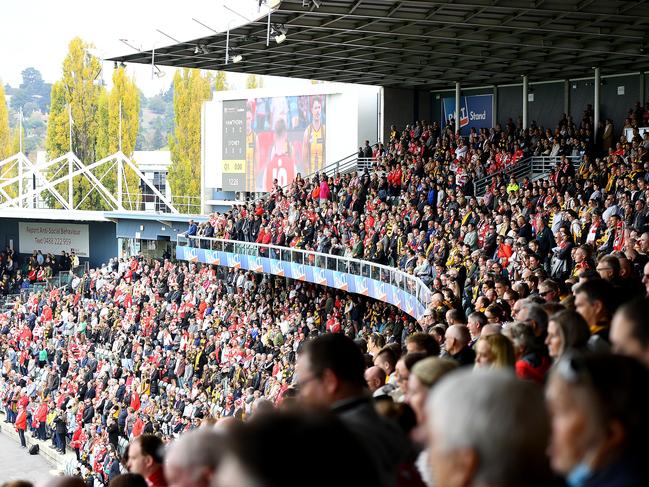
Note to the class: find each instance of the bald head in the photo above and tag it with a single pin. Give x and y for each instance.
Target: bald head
(375, 377)
(456, 338)
(490, 329)
(193, 458)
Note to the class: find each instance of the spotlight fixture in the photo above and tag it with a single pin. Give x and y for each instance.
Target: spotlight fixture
(279, 33)
(122, 64)
(115, 65)
(315, 3)
(159, 73)
(201, 48)
(237, 58)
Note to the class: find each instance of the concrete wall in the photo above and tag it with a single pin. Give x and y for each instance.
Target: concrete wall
(399, 109)
(548, 104)
(101, 238)
(149, 229)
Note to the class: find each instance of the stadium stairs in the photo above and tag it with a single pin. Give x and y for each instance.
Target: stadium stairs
(62, 464)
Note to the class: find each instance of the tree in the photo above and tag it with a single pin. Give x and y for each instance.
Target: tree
(253, 82)
(191, 89)
(220, 83)
(79, 90)
(5, 134)
(8, 146)
(95, 124)
(33, 93)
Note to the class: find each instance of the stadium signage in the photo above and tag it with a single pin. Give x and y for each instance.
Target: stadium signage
(475, 112)
(53, 238)
(340, 280)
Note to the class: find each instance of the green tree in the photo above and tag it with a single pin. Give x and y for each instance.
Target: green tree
(191, 89)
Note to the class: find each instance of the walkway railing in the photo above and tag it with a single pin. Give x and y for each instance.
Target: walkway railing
(406, 291)
(531, 167)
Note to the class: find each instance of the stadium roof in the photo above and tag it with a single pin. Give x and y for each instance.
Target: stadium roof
(429, 44)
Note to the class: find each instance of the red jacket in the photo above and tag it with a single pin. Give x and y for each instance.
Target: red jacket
(41, 413)
(21, 421)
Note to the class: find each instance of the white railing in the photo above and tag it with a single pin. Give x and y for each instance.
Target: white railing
(542, 165)
(531, 167)
(409, 283)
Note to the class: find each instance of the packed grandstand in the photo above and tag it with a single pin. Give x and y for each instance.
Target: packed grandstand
(253, 379)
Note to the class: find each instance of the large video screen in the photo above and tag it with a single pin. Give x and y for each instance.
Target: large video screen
(268, 139)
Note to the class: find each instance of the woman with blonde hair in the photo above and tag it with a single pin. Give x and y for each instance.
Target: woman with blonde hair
(494, 351)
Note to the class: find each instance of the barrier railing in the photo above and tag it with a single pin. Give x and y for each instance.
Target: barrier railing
(544, 164)
(382, 282)
(350, 163)
(531, 167)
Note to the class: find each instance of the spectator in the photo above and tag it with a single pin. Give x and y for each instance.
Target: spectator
(457, 345)
(256, 448)
(487, 428)
(567, 331)
(145, 459)
(375, 378)
(494, 351)
(599, 423)
(330, 374)
(193, 459)
(630, 330)
(128, 480)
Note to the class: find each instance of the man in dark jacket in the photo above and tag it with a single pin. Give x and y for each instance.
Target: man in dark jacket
(330, 372)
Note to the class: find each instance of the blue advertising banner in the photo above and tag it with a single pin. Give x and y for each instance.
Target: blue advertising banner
(475, 112)
(340, 280)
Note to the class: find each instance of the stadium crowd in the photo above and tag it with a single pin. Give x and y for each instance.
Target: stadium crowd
(528, 367)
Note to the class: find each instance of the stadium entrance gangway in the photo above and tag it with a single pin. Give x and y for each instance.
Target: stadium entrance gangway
(533, 167)
(349, 164)
(406, 291)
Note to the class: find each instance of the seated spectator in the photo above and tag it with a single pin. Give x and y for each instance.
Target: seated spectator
(595, 301)
(422, 343)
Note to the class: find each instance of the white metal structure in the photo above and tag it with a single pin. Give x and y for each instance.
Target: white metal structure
(46, 176)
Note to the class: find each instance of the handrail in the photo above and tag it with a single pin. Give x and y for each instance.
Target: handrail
(480, 184)
(530, 166)
(408, 283)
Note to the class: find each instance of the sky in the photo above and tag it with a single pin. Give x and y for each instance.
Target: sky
(36, 33)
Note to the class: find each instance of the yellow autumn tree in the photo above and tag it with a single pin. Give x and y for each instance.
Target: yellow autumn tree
(5, 133)
(191, 89)
(76, 95)
(95, 128)
(122, 101)
(6, 147)
(253, 82)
